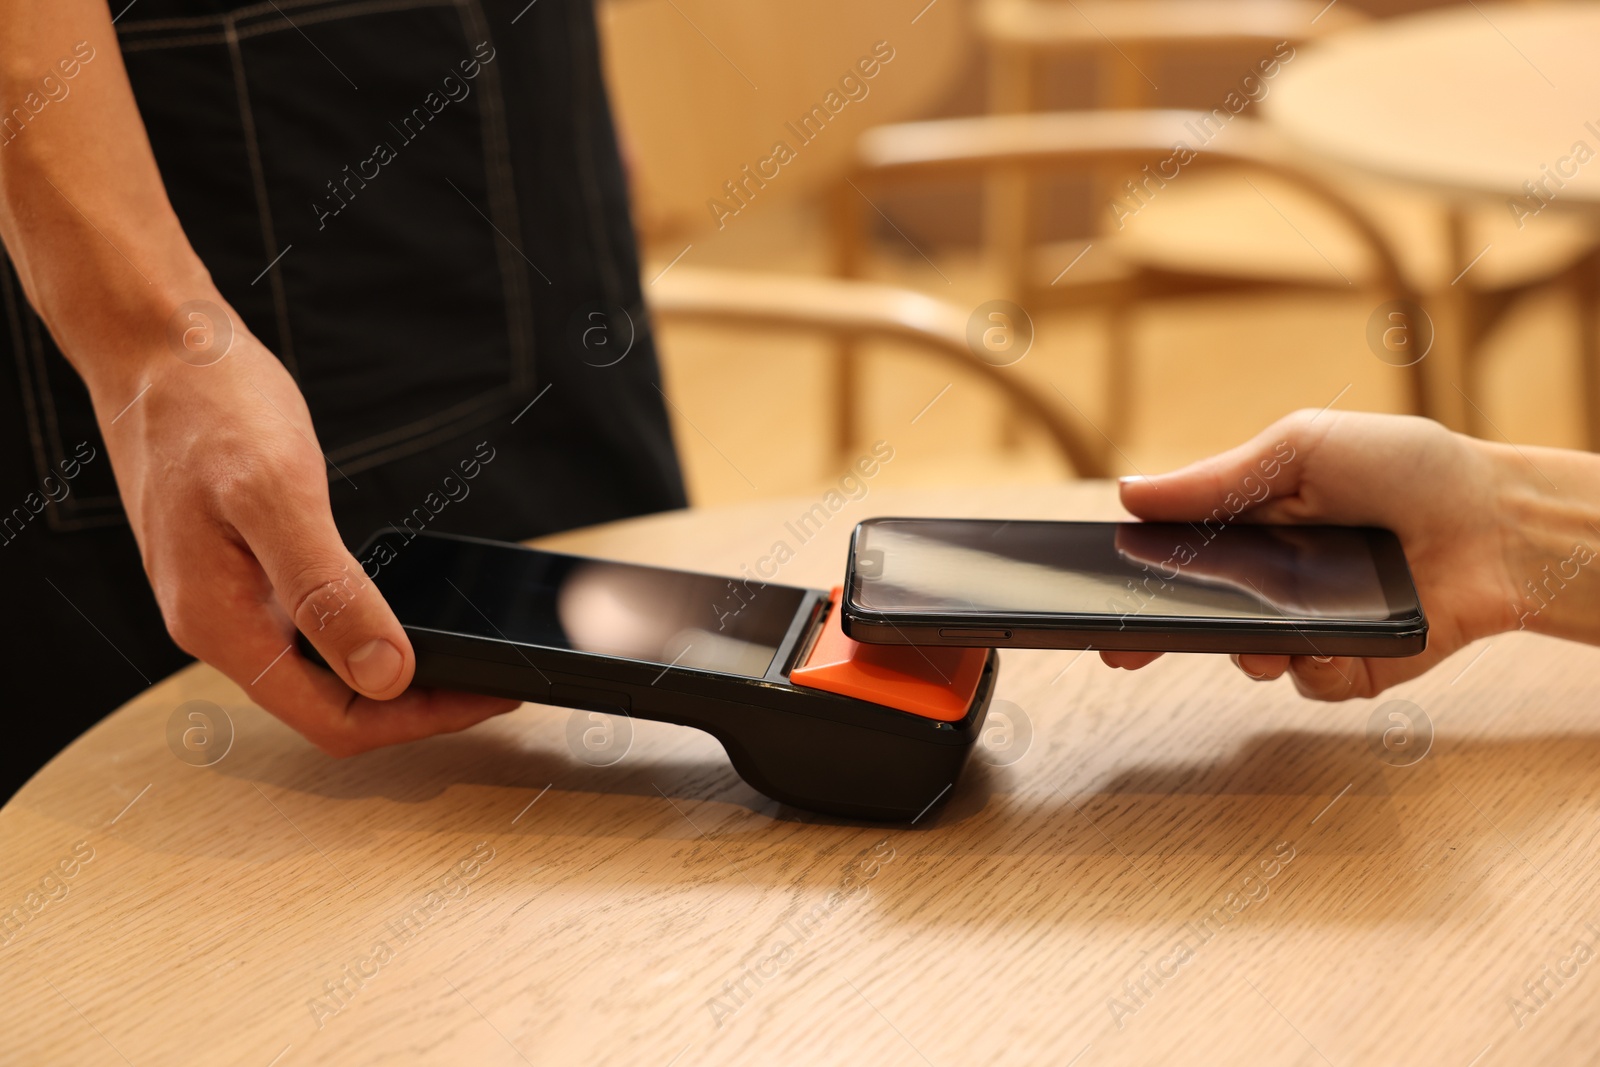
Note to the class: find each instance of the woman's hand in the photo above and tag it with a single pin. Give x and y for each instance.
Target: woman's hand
(1444, 494)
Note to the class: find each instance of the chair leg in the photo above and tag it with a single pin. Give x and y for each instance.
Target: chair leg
(1418, 400)
(1119, 376)
(1008, 192)
(1586, 290)
(1450, 308)
(849, 255)
(846, 396)
(1472, 324)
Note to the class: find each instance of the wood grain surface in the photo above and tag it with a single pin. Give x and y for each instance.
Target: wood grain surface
(1180, 866)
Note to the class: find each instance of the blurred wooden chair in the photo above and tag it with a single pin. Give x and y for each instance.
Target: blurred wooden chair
(1212, 254)
(1124, 41)
(1219, 226)
(1222, 227)
(836, 308)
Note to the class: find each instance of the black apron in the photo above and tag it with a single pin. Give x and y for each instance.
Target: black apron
(418, 206)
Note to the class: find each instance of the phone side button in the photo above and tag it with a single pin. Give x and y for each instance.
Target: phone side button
(960, 633)
(577, 696)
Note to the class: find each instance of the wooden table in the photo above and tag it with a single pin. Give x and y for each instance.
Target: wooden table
(1471, 103)
(1182, 867)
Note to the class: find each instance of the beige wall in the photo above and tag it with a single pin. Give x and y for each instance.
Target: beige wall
(705, 87)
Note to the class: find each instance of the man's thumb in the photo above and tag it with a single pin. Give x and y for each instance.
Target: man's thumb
(339, 609)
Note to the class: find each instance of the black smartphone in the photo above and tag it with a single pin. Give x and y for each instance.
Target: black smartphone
(806, 716)
(1141, 586)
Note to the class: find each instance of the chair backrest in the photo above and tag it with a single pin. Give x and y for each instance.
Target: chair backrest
(1125, 42)
(1067, 142)
(854, 310)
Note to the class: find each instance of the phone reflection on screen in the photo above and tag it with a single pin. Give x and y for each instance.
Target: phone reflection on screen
(648, 614)
(673, 618)
(1176, 569)
(1297, 572)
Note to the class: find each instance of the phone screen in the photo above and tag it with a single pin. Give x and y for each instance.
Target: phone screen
(1241, 571)
(669, 617)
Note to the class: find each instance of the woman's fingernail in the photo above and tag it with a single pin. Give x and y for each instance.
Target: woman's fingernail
(375, 665)
(1323, 659)
(1130, 479)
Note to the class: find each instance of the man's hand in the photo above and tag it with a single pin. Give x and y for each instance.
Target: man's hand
(227, 493)
(217, 465)
(1442, 493)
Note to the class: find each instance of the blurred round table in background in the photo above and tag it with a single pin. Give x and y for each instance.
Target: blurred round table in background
(1482, 104)
(1175, 865)
(1473, 99)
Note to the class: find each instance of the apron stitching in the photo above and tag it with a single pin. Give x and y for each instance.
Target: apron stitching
(260, 29)
(88, 522)
(30, 402)
(372, 7)
(503, 207)
(491, 405)
(503, 210)
(47, 394)
(285, 347)
(160, 44)
(201, 21)
(590, 186)
(44, 430)
(399, 435)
